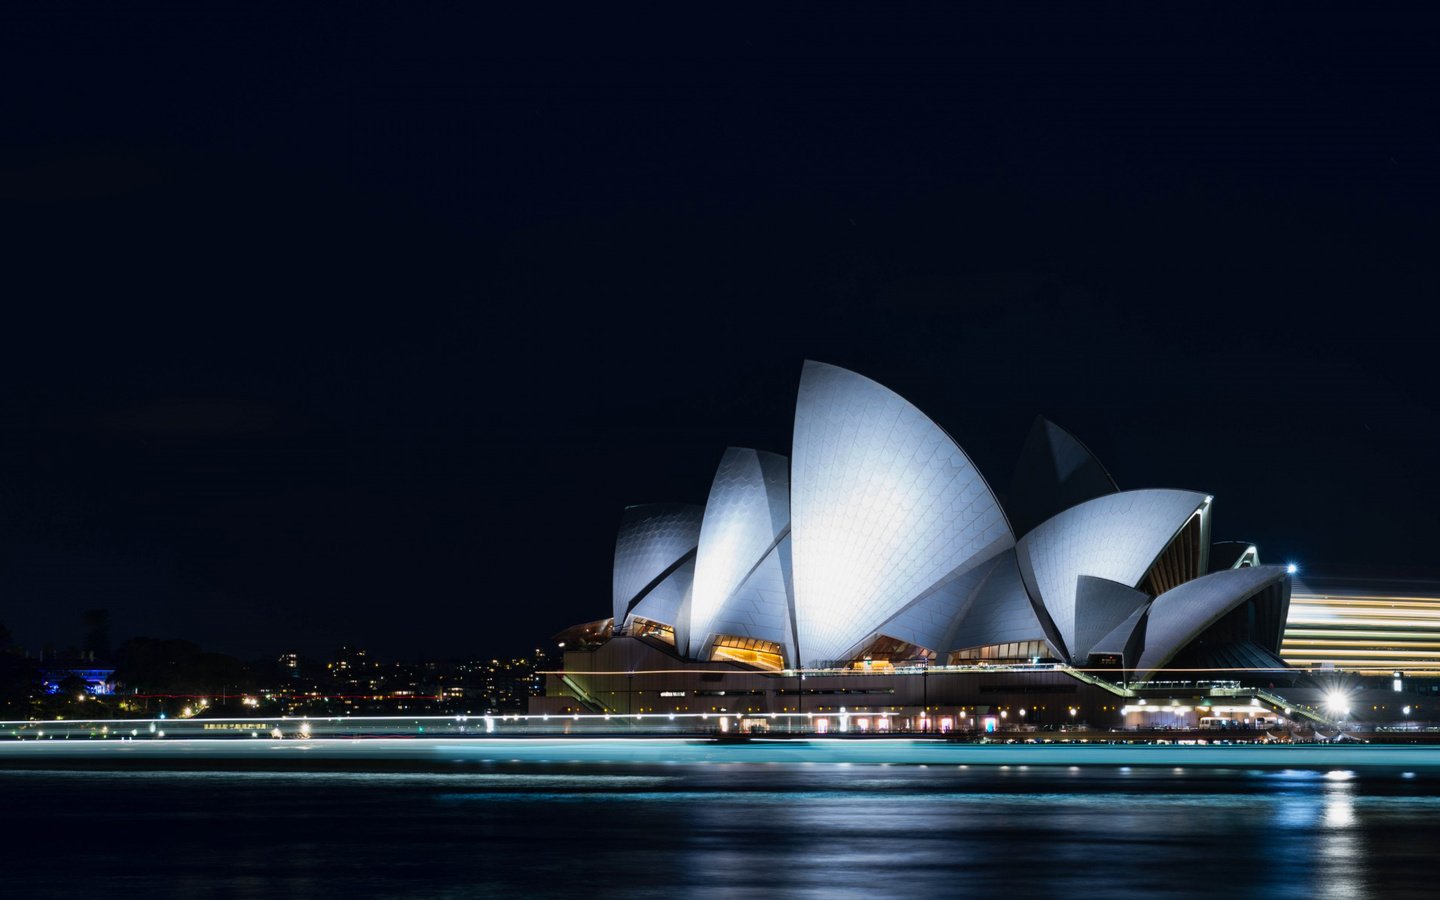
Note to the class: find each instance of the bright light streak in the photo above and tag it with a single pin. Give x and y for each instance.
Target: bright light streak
(1292, 568)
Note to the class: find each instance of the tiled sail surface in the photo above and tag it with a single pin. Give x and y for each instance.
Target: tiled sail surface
(665, 602)
(1115, 537)
(1001, 611)
(1126, 639)
(931, 621)
(1055, 472)
(653, 538)
(884, 507)
(1101, 606)
(1180, 614)
(762, 606)
(747, 511)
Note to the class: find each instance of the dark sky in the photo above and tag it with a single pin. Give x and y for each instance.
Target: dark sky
(361, 326)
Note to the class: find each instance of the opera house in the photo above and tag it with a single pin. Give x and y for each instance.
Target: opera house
(877, 573)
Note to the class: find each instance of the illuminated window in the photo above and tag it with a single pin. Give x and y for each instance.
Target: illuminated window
(765, 655)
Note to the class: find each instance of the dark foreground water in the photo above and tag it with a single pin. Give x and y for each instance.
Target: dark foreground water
(724, 830)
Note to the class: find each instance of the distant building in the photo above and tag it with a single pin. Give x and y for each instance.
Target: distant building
(348, 658)
(510, 683)
(290, 663)
(55, 669)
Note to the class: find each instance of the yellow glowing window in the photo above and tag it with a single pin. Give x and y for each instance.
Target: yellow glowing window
(750, 651)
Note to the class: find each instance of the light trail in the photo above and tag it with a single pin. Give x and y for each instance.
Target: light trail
(1364, 634)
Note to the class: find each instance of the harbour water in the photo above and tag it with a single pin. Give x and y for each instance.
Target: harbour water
(726, 826)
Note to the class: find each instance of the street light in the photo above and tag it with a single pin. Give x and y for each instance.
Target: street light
(1338, 702)
(925, 684)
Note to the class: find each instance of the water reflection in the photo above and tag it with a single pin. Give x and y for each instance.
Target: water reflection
(768, 830)
(1339, 843)
(1339, 806)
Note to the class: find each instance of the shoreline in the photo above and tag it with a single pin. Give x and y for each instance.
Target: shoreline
(461, 754)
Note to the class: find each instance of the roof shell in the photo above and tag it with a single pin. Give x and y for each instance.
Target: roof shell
(1179, 615)
(653, 540)
(761, 607)
(1054, 472)
(932, 620)
(1232, 555)
(666, 601)
(747, 511)
(1116, 537)
(1001, 611)
(1100, 606)
(884, 505)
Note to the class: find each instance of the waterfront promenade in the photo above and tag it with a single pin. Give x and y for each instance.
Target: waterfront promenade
(458, 752)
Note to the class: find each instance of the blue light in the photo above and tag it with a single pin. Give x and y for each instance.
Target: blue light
(1292, 568)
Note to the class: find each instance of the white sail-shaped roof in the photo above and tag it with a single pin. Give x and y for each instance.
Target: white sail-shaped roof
(747, 511)
(884, 507)
(653, 540)
(1127, 639)
(761, 607)
(666, 601)
(1116, 537)
(1180, 614)
(1101, 606)
(932, 620)
(1001, 611)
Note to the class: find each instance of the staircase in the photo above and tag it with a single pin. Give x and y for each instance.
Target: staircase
(1101, 683)
(586, 699)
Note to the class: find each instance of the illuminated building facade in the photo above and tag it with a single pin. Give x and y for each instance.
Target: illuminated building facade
(96, 678)
(880, 549)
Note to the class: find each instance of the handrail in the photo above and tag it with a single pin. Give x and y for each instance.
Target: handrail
(1307, 712)
(1110, 686)
(582, 695)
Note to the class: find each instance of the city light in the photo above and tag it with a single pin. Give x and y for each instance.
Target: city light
(1337, 701)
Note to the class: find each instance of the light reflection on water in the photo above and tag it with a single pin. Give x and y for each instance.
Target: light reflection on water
(726, 830)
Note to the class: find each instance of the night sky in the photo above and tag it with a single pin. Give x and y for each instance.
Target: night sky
(363, 326)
